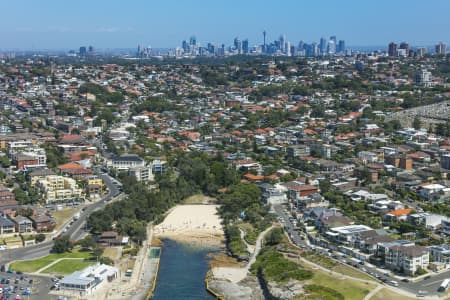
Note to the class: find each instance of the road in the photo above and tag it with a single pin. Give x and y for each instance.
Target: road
(429, 286)
(75, 231)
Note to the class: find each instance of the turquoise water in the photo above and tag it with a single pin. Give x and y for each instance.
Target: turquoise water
(182, 271)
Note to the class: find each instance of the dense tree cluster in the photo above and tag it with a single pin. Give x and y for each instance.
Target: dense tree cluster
(154, 104)
(197, 172)
(101, 93)
(62, 245)
(54, 156)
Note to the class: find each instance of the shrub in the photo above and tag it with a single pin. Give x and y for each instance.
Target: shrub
(315, 291)
(275, 267)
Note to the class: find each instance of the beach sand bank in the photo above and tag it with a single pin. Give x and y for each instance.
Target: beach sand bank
(196, 224)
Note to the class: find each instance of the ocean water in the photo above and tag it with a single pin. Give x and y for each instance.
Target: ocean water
(182, 271)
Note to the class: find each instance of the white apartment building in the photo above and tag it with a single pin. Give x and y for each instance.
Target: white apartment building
(58, 188)
(407, 258)
(423, 78)
(142, 173)
(13, 147)
(125, 162)
(88, 280)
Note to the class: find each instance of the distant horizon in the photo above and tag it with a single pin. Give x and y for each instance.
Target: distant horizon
(67, 49)
(28, 24)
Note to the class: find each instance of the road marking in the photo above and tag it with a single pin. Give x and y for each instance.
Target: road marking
(431, 283)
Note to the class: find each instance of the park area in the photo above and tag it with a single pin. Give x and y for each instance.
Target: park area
(67, 266)
(68, 263)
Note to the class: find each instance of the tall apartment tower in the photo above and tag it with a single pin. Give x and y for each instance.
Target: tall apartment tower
(392, 49)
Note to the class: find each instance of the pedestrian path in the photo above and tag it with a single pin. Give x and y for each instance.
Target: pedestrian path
(54, 263)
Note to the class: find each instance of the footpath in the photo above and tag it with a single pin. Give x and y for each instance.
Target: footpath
(140, 282)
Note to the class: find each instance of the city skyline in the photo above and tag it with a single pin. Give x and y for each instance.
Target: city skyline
(48, 25)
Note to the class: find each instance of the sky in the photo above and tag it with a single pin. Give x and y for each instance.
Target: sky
(61, 24)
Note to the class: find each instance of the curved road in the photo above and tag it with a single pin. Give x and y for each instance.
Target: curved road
(75, 231)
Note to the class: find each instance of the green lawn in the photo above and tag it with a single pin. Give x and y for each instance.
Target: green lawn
(350, 289)
(29, 266)
(388, 294)
(333, 265)
(68, 266)
(198, 199)
(352, 272)
(251, 234)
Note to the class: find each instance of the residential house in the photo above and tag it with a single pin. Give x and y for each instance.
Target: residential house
(312, 200)
(112, 238)
(397, 215)
(39, 174)
(345, 235)
(432, 191)
(297, 190)
(142, 173)
(42, 223)
(445, 226)
(367, 156)
(427, 219)
(440, 254)
(7, 198)
(158, 166)
(298, 151)
(125, 162)
(407, 259)
(272, 195)
(6, 225)
(23, 224)
(94, 185)
(327, 222)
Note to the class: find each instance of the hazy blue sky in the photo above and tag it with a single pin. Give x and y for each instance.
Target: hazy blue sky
(40, 24)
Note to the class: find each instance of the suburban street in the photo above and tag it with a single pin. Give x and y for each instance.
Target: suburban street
(75, 231)
(428, 286)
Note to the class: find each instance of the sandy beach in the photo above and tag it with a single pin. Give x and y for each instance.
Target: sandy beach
(198, 224)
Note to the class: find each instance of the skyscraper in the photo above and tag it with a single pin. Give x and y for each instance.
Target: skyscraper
(238, 45)
(392, 49)
(193, 41)
(333, 38)
(82, 51)
(245, 48)
(421, 51)
(185, 46)
(282, 43)
(314, 49)
(405, 46)
(341, 46)
(440, 48)
(323, 46)
(331, 47)
(287, 48)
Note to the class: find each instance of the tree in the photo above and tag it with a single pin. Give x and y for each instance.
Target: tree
(40, 237)
(21, 196)
(416, 123)
(106, 260)
(87, 243)
(324, 186)
(97, 253)
(5, 162)
(275, 236)
(62, 245)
